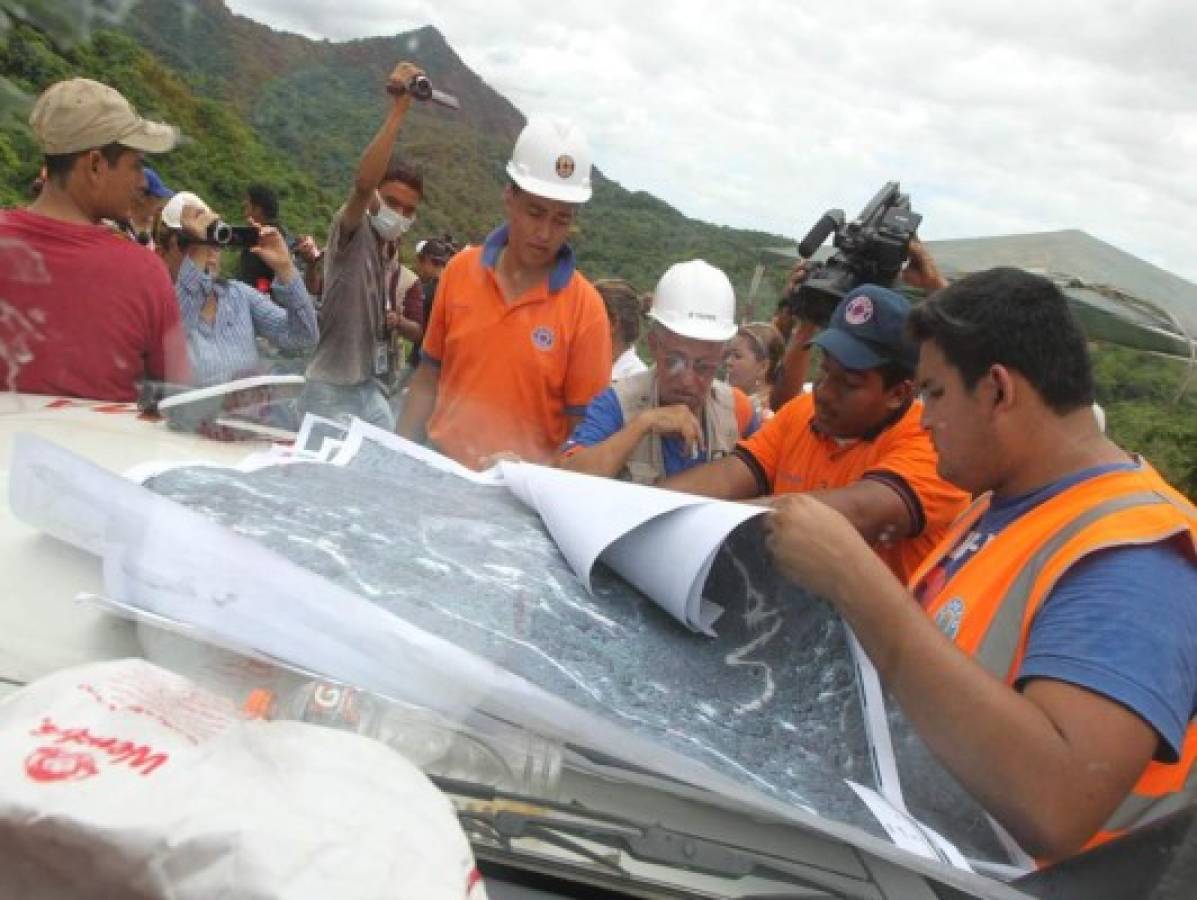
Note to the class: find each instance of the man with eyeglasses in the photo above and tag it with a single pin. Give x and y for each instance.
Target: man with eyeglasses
(675, 415)
(855, 443)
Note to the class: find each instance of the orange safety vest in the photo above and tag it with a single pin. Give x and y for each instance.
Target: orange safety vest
(989, 605)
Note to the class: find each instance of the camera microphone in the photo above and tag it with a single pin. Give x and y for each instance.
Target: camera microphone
(829, 223)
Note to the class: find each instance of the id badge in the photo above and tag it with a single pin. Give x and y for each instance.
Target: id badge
(381, 358)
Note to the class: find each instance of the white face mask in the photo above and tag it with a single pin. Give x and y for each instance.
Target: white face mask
(390, 225)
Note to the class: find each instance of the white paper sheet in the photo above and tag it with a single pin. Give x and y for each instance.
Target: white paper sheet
(663, 542)
(908, 833)
(179, 566)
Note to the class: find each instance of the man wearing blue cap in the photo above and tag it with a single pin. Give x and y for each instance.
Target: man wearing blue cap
(148, 206)
(855, 442)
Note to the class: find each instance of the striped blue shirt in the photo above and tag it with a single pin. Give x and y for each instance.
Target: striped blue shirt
(226, 348)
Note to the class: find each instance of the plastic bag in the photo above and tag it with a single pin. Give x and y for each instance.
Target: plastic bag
(123, 779)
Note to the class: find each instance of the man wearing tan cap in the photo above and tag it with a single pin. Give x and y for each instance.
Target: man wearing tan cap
(100, 312)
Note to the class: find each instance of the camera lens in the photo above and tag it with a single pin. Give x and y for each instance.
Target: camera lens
(420, 87)
(220, 232)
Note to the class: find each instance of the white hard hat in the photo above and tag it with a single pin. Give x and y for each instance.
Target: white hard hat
(173, 211)
(696, 300)
(551, 159)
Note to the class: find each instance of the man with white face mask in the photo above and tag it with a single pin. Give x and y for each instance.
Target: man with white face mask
(360, 311)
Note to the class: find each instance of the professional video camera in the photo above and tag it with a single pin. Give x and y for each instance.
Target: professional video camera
(869, 250)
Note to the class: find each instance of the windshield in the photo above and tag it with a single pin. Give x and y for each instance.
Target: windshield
(346, 350)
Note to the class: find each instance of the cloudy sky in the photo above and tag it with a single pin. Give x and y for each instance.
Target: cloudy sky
(1006, 117)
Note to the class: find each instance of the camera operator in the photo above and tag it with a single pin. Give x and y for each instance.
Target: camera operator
(223, 318)
(920, 272)
(354, 360)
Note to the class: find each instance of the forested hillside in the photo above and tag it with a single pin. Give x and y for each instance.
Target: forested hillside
(257, 105)
(260, 105)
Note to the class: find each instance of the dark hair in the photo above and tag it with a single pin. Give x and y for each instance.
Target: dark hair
(767, 344)
(436, 250)
(894, 373)
(264, 198)
(623, 307)
(405, 174)
(59, 165)
(1009, 317)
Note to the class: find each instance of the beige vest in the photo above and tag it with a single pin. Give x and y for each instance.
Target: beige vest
(646, 464)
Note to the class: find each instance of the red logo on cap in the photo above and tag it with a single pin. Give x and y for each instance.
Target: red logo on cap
(858, 311)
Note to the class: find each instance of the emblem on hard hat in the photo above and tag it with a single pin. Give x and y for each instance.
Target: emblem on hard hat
(565, 165)
(858, 311)
(949, 617)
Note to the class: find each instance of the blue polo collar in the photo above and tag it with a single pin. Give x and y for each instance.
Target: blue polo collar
(563, 268)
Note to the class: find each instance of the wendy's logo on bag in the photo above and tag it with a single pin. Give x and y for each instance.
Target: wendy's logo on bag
(47, 764)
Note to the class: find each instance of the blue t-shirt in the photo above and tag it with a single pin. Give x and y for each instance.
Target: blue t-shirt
(604, 417)
(1120, 622)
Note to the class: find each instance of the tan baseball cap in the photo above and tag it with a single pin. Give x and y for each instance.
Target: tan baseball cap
(79, 114)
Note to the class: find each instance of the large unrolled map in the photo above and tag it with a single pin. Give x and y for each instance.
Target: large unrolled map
(521, 591)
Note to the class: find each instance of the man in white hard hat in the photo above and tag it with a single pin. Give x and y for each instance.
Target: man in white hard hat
(360, 312)
(518, 343)
(89, 313)
(674, 415)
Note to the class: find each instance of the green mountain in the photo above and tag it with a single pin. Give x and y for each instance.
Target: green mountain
(294, 112)
(262, 106)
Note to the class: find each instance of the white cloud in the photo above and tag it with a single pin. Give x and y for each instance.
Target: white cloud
(997, 117)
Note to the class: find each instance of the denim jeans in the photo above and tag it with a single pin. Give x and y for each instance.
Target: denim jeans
(340, 401)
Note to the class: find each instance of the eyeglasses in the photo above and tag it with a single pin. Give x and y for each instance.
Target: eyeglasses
(676, 363)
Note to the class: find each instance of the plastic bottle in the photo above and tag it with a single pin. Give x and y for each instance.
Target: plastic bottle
(482, 751)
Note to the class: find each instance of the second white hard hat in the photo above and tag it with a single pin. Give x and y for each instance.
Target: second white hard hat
(172, 213)
(551, 159)
(696, 300)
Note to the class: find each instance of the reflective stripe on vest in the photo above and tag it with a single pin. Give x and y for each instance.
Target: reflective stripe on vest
(1116, 509)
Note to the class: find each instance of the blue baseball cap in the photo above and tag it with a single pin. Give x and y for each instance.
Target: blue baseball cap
(154, 186)
(868, 330)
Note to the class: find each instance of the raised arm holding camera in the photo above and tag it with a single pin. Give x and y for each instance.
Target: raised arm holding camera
(353, 359)
(222, 318)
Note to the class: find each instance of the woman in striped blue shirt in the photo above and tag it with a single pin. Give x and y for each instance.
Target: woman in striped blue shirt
(223, 318)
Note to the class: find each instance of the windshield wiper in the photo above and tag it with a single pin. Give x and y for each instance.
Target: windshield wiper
(565, 824)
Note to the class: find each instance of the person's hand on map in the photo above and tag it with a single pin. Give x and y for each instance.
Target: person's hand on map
(674, 420)
(812, 544)
(493, 459)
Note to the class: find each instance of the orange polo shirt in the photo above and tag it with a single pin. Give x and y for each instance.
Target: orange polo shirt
(789, 454)
(511, 373)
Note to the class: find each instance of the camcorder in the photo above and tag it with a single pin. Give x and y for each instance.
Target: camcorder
(869, 250)
(421, 89)
(223, 234)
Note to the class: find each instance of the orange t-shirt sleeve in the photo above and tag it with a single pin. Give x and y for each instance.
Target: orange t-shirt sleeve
(433, 347)
(743, 407)
(913, 459)
(767, 444)
(589, 369)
